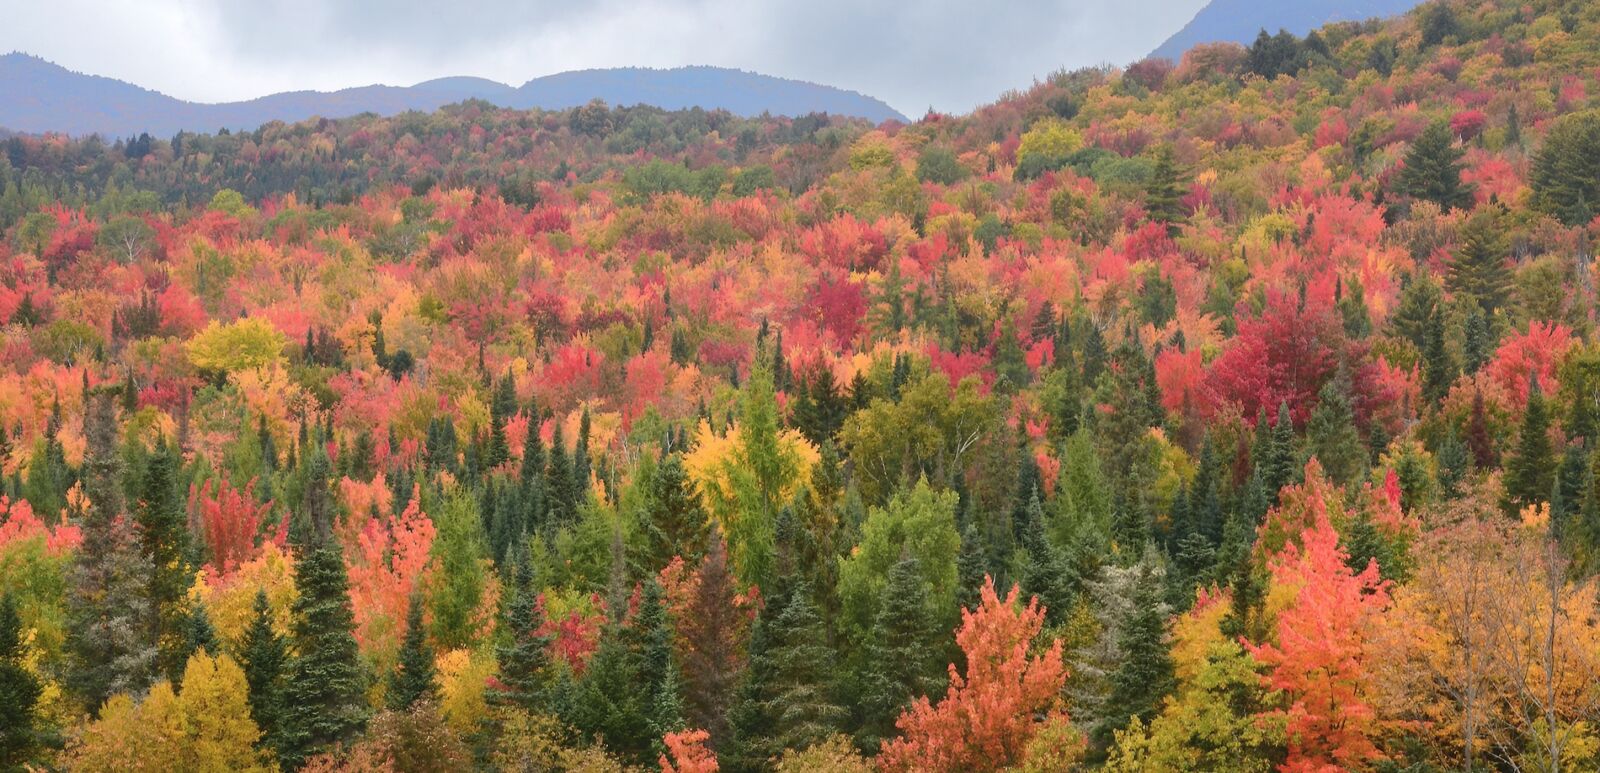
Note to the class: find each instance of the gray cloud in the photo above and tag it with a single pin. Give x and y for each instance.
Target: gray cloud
(948, 54)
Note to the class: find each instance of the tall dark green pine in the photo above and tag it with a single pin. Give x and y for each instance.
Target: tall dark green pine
(325, 692)
(109, 644)
(972, 565)
(561, 496)
(1146, 674)
(1205, 496)
(412, 679)
(1044, 572)
(898, 663)
(524, 657)
(652, 635)
(580, 461)
(1432, 170)
(1163, 198)
(263, 655)
(19, 693)
(1332, 433)
(164, 539)
(1531, 473)
(676, 523)
(1438, 370)
(501, 407)
(1478, 269)
(801, 702)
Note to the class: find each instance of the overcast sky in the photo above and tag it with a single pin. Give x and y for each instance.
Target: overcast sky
(913, 54)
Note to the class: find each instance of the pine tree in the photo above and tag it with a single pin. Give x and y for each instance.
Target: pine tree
(972, 565)
(652, 634)
(1531, 473)
(412, 679)
(713, 629)
(1478, 269)
(19, 693)
(109, 646)
(1438, 371)
(800, 701)
(164, 540)
(1044, 573)
(1145, 674)
(561, 495)
(264, 656)
(1432, 170)
(1566, 170)
(1163, 200)
(676, 523)
(898, 663)
(325, 692)
(1332, 433)
(525, 656)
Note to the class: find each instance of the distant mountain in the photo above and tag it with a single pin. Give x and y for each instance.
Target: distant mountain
(1240, 21)
(39, 96)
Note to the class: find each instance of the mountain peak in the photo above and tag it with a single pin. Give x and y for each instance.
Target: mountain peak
(1239, 21)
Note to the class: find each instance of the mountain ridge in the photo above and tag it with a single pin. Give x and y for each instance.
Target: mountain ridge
(1239, 21)
(38, 96)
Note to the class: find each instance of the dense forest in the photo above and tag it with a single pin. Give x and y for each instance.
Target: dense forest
(1234, 414)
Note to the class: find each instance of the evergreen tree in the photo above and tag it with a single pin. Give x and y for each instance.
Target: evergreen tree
(899, 665)
(1479, 443)
(676, 523)
(1332, 433)
(325, 692)
(1163, 199)
(1566, 170)
(412, 679)
(561, 494)
(264, 655)
(1478, 269)
(972, 565)
(1145, 674)
(1438, 371)
(712, 629)
(800, 701)
(19, 693)
(525, 655)
(1531, 473)
(109, 644)
(164, 540)
(1432, 170)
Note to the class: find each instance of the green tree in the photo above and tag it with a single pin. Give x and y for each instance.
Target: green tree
(676, 523)
(1531, 472)
(1145, 675)
(263, 655)
(19, 693)
(1566, 169)
(1163, 198)
(460, 576)
(898, 665)
(164, 540)
(1478, 268)
(412, 679)
(1432, 170)
(524, 656)
(920, 523)
(1332, 433)
(325, 691)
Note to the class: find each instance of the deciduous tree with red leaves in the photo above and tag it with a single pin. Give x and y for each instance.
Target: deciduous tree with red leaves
(1321, 657)
(230, 518)
(988, 716)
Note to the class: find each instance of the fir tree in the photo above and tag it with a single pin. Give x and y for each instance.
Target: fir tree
(1531, 472)
(899, 665)
(1566, 170)
(264, 655)
(676, 523)
(1332, 433)
(1478, 269)
(19, 693)
(1163, 199)
(164, 541)
(1432, 170)
(800, 702)
(1145, 674)
(1438, 371)
(109, 644)
(325, 692)
(525, 655)
(412, 680)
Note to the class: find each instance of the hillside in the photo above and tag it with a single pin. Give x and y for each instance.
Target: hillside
(1237, 413)
(37, 96)
(1239, 21)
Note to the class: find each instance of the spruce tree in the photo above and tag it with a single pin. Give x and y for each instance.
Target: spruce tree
(524, 657)
(1566, 170)
(1432, 170)
(1145, 674)
(1478, 268)
(412, 680)
(712, 628)
(1332, 433)
(1163, 199)
(264, 655)
(676, 523)
(109, 644)
(898, 663)
(164, 540)
(19, 693)
(1531, 472)
(801, 701)
(1438, 370)
(325, 692)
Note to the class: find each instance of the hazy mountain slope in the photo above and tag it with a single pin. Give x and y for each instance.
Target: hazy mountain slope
(1241, 20)
(38, 96)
